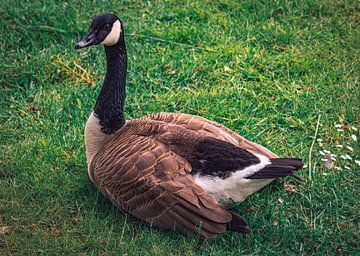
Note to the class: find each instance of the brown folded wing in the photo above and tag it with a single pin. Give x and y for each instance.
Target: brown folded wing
(213, 129)
(146, 179)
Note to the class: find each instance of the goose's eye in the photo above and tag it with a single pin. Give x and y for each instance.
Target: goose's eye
(107, 27)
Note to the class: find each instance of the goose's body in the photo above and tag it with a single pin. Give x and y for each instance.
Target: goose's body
(170, 170)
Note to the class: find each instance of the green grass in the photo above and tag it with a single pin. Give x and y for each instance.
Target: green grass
(287, 63)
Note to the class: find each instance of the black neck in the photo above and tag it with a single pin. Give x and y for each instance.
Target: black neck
(109, 106)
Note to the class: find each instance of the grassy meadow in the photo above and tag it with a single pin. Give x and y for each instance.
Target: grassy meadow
(284, 74)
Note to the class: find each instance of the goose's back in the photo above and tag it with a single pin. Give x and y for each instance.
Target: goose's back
(205, 127)
(148, 169)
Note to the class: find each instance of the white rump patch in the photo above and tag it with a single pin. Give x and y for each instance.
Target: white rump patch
(114, 35)
(236, 187)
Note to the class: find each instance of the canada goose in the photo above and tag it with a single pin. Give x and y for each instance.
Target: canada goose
(173, 171)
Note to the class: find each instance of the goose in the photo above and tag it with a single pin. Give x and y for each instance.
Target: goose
(172, 171)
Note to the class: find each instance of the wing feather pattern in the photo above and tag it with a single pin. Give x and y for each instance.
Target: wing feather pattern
(148, 180)
(212, 129)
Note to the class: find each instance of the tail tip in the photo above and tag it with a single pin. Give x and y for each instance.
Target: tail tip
(238, 224)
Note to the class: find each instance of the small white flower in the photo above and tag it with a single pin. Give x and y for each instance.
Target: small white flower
(339, 146)
(325, 174)
(353, 136)
(343, 157)
(338, 125)
(327, 151)
(333, 155)
(347, 167)
(320, 144)
(338, 168)
(319, 140)
(340, 130)
(357, 162)
(322, 153)
(323, 159)
(305, 166)
(227, 69)
(353, 128)
(348, 157)
(281, 200)
(333, 158)
(350, 148)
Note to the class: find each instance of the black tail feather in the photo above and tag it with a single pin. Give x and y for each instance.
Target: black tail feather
(279, 167)
(238, 224)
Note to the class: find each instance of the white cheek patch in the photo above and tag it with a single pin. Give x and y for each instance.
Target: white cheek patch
(114, 35)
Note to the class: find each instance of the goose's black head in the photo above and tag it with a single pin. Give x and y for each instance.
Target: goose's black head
(105, 29)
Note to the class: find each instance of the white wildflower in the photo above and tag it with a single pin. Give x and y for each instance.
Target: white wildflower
(343, 157)
(323, 159)
(305, 166)
(347, 167)
(338, 125)
(353, 128)
(339, 146)
(348, 157)
(227, 69)
(333, 159)
(281, 200)
(357, 162)
(320, 144)
(333, 155)
(340, 130)
(338, 168)
(319, 140)
(322, 153)
(350, 148)
(327, 151)
(353, 136)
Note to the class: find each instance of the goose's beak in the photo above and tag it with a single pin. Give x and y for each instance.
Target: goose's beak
(88, 40)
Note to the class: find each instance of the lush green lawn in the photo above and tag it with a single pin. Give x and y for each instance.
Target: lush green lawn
(267, 71)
